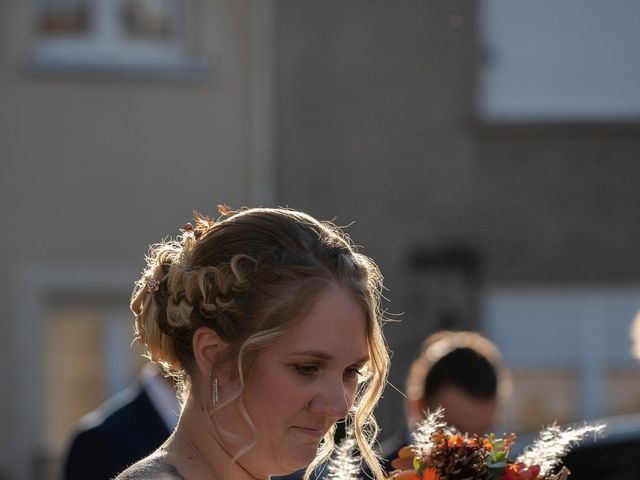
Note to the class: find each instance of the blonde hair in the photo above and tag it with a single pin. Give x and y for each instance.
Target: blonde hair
(247, 277)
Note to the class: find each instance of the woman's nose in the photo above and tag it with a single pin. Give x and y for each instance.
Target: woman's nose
(331, 401)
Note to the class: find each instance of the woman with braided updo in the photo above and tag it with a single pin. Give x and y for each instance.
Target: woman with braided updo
(271, 322)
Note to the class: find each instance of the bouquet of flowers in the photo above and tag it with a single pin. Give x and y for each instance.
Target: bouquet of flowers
(440, 452)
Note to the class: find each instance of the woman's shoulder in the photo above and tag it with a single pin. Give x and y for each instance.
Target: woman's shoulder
(154, 467)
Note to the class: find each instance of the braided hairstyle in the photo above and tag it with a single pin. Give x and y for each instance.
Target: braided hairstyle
(251, 276)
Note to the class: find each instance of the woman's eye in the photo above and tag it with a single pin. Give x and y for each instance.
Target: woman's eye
(352, 373)
(306, 369)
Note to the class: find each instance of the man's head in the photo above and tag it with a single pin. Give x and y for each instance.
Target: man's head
(460, 371)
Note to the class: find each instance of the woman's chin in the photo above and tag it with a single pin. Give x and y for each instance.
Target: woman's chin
(301, 458)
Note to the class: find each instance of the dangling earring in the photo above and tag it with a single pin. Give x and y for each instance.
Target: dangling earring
(215, 394)
(216, 399)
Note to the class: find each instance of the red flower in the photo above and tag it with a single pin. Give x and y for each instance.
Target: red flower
(535, 470)
(520, 471)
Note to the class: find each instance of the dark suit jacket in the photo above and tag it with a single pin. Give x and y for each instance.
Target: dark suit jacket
(120, 432)
(607, 459)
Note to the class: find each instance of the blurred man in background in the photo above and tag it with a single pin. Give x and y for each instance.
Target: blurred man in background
(460, 371)
(123, 430)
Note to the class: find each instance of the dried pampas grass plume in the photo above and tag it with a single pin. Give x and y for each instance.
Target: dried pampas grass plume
(343, 464)
(553, 443)
(423, 434)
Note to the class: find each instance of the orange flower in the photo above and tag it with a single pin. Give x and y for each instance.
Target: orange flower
(430, 474)
(487, 444)
(405, 458)
(455, 441)
(406, 452)
(405, 475)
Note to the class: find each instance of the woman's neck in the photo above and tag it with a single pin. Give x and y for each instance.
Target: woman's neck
(203, 444)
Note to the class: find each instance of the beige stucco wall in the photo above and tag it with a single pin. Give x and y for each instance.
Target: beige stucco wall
(95, 169)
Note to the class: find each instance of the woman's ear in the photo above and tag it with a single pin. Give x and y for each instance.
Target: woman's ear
(207, 348)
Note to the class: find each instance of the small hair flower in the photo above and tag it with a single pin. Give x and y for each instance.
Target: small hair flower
(152, 285)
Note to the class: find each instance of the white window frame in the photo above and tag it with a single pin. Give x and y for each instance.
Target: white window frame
(107, 48)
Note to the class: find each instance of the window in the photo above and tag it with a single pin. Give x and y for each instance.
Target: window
(86, 360)
(569, 351)
(114, 35)
(72, 333)
(559, 61)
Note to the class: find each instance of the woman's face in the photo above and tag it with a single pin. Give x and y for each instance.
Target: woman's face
(302, 384)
